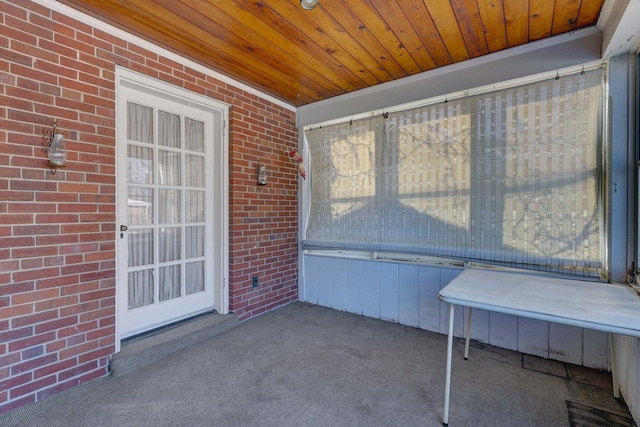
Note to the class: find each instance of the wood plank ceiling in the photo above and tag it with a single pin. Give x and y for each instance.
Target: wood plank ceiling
(301, 56)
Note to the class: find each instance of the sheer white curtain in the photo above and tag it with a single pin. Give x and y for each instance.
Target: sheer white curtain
(508, 177)
(166, 176)
(170, 204)
(140, 204)
(195, 174)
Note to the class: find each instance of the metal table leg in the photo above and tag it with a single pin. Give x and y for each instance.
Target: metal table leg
(467, 334)
(447, 388)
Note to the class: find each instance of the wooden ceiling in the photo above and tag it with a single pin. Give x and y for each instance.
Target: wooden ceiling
(301, 56)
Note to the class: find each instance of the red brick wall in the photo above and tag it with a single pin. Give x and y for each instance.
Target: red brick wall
(57, 232)
(263, 232)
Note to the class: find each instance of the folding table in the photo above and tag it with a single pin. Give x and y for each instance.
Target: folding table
(610, 308)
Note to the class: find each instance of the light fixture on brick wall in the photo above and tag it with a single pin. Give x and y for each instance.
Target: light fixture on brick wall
(262, 174)
(54, 145)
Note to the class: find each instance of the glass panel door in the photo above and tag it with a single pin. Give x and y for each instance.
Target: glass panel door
(165, 171)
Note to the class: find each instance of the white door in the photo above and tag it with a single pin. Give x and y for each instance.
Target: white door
(171, 245)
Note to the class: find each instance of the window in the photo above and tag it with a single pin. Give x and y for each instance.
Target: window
(508, 178)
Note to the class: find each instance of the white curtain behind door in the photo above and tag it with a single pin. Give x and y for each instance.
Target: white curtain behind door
(194, 205)
(140, 204)
(166, 206)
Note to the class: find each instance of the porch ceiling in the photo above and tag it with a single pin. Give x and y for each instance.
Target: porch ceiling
(341, 46)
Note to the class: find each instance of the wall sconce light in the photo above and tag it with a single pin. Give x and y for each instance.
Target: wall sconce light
(308, 4)
(54, 145)
(262, 175)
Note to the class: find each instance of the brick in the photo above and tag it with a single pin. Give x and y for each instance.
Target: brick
(35, 251)
(77, 350)
(16, 57)
(79, 248)
(58, 239)
(31, 387)
(36, 274)
(31, 341)
(34, 296)
(33, 364)
(100, 333)
(56, 282)
(91, 296)
(103, 273)
(98, 256)
(100, 372)
(16, 334)
(56, 303)
(79, 268)
(15, 288)
(9, 360)
(34, 318)
(30, 230)
(33, 207)
(108, 341)
(75, 340)
(56, 346)
(102, 352)
(56, 324)
(56, 218)
(14, 311)
(15, 381)
(14, 242)
(53, 261)
(76, 329)
(53, 368)
(79, 288)
(107, 321)
(77, 188)
(30, 264)
(77, 370)
(8, 407)
(97, 314)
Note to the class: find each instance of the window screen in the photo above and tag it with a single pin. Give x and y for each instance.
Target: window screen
(508, 178)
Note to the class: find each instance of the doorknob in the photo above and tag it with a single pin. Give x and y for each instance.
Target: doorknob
(123, 228)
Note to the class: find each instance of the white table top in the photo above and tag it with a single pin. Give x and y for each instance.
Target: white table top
(600, 306)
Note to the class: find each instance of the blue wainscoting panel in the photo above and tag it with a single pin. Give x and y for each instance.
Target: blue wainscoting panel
(533, 337)
(370, 288)
(407, 293)
(565, 343)
(503, 330)
(408, 290)
(339, 284)
(310, 280)
(428, 302)
(324, 280)
(479, 324)
(389, 291)
(595, 348)
(354, 287)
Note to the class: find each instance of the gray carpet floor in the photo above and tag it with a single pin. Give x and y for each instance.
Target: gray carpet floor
(304, 365)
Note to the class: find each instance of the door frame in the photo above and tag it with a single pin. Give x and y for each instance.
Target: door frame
(220, 230)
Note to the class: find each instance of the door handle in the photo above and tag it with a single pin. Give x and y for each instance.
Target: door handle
(123, 228)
